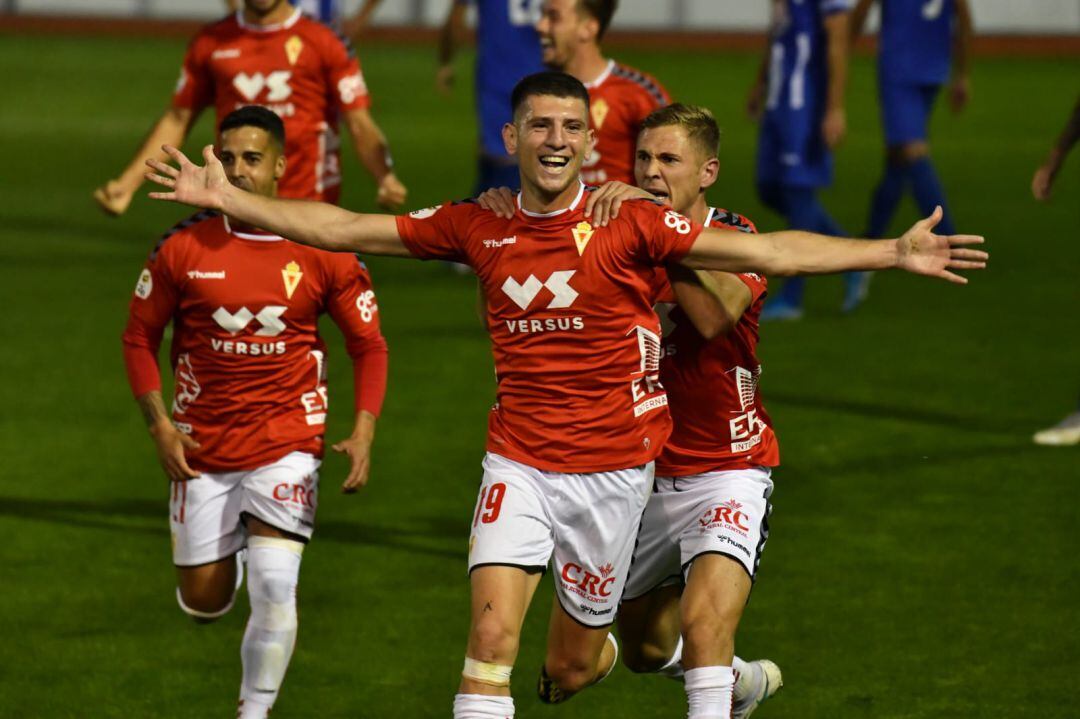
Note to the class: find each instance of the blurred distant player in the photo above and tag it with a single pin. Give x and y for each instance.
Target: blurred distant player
(917, 43)
(1067, 431)
(799, 97)
(270, 54)
(244, 441)
(620, 96)
(507, 49)
(329, 12)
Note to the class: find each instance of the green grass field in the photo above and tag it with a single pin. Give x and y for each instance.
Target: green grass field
(923, 556)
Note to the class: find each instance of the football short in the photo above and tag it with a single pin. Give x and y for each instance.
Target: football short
(583, 525)
(791, 150)
(205, 513)
(905, 110)
(713, 513)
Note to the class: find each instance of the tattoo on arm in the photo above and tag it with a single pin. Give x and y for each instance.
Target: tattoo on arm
(153, 408)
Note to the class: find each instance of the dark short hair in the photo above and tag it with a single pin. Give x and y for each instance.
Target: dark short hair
(601, 10)
(556, 84)
(255, 116)
(699, 123)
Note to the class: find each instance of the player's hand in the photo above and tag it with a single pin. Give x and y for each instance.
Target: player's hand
(755, 102)
(499, 200)
(171, 446)
(834, 127)
(444, 79)
(392, 194)
(188, 183)
(959, 93)
(602, 205)
(922, 252)
(359, 451)
(113, 198)
(1043, 181)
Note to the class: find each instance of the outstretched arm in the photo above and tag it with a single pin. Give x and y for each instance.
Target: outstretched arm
(311, 223)
(919, 251)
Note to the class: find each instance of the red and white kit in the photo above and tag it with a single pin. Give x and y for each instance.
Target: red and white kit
(577, 350)
(713, 477)
(250, 370)
(300, 69)
(619, 101)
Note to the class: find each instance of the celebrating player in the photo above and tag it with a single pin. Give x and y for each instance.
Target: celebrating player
(917, 41)
(620, 96)
(580, 413)
(243, 444)
(270, 54)
(799, 97)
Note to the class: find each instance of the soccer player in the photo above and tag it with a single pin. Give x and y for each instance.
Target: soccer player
(507, 49)
(918, 41)
(329, 12)
(270, 54)
(620, 96)
(580, 413)
(243, 444)
(799, 98)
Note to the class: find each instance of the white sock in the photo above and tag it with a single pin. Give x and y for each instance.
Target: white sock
(747, 677)
(708, 692)
(673, 668)
(482, 706)
(273, 572)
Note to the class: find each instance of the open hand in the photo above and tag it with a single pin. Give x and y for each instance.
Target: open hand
(359, 451)
(499, 200)
(602, 205)
(188, 183)
(922, 252)
(171, 445)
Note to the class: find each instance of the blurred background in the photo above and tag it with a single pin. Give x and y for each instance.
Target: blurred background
(923, 555)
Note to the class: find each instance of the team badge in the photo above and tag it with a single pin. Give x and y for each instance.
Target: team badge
(291, 274)
(599, 113)
(145, 285)
(293, 46)
(582, 234)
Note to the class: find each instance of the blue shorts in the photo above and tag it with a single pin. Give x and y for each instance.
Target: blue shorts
(905, 110)
(496, 172)
(791, 151)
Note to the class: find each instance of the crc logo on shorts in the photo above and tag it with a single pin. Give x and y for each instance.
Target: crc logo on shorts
(558, 284)
(589, 586)
(729, 514)
(296, 493)
(269, 318)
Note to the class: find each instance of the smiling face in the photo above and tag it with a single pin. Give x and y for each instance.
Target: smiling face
(562, 27)
(253, 160)
(550, 137)
(670, 165)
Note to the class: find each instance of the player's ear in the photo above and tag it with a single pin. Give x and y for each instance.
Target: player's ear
(709, 172)
(510, 138)
(279, 167)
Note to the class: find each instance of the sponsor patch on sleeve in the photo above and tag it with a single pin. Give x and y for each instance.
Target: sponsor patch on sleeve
(145, 285)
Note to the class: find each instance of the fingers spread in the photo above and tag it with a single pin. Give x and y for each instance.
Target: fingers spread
(966, 239)
(966, 265)
(952, 277)
(965, 254)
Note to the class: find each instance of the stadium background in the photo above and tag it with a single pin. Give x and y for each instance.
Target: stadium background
(923, 558)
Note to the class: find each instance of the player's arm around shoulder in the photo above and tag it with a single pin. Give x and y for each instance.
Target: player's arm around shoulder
(714, 301)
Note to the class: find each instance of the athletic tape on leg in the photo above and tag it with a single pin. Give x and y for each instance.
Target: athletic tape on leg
(497, 675)
(273, 572)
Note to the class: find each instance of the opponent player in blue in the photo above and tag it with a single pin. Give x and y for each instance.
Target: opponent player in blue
(799, 97)
(918, 41)
(507, 49)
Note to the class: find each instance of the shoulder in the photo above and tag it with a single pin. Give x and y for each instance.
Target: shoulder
(326, 39)
(643, 82)
(188, 230)
(731, 220)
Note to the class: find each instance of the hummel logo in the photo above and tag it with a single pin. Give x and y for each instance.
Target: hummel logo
(225, 53)
(558, 284)
(500, 243)
(200, 275)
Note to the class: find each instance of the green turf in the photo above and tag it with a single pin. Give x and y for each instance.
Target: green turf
(923, 555)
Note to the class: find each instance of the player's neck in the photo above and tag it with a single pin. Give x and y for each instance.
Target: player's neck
(535, 201)
(278, 15)
(588, 64)
(699, 211)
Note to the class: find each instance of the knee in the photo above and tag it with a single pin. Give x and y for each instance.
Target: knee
(644, 657)
(570, 674)
(710, 627)
(492, 640)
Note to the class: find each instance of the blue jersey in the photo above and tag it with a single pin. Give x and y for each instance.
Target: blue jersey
(916, 41)
(798, 61)
(507, 49)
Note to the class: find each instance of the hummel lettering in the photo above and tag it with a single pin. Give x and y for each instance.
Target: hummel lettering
(200, 275)
(502, 242)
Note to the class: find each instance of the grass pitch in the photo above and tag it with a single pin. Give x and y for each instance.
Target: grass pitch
(923, 555)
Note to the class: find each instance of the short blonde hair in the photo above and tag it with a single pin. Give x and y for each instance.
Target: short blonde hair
(699, 123)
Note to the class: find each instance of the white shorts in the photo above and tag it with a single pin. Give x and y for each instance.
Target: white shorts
(205, 513)
(713, 513)
(583, 524)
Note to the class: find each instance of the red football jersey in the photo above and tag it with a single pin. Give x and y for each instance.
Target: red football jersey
(249, 364)
(574, 334)
(719, 420)
(619, 101)
(300, 69)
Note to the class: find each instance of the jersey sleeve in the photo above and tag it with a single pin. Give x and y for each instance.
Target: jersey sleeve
(436, 233)
(726, 220)
(151, 309)
(665, 235)
(195, 87)
(352, 305)
(343, 74)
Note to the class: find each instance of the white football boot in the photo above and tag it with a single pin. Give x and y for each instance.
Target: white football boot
(1062, 434)
(755, 686)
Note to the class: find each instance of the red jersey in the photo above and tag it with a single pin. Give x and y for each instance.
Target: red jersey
(719, 420)
(574, 335)
(249, 365)
(619, 101)
(300, 69)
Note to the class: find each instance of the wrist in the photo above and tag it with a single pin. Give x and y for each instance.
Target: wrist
(161, 425)
(894, 253)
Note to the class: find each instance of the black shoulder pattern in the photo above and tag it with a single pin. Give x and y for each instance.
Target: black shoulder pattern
(181, 225)
(647, 83)
(733, 220)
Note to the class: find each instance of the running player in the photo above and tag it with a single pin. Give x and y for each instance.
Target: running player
(243, 443)
(918, 41)
(580, 413)
(799, 97)
(269, 54)
(620, 96)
